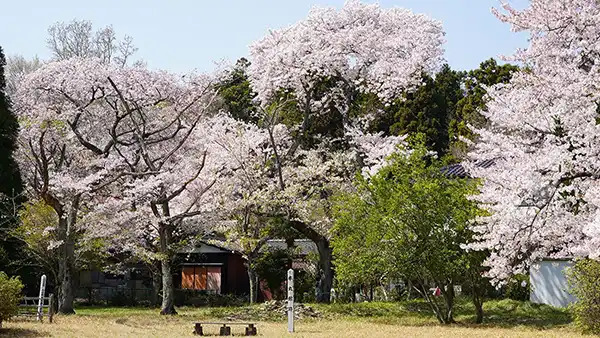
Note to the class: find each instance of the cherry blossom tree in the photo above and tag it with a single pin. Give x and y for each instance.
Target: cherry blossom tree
(262, 187)
(63, 156)
(246, 148)
(320, 64)
(165, 140)
(129, 146)
(543, 139)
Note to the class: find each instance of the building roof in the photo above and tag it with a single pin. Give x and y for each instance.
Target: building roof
(303, 246)
(458, 170)
(211, 246)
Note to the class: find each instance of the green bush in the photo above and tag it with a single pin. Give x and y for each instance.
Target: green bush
(122, 297)
(584, 280)
(201, 298)
(10, 296)
(518, 288)
(304, 286)
(272, 267)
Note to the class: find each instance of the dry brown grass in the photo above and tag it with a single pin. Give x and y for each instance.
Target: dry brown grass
(146, 323)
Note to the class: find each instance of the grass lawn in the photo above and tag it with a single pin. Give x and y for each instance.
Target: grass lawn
(408, 319)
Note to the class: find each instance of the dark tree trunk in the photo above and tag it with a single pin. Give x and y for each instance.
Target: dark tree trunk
(477, 293)
(168, 289)
(65, 268)
(290, 247)
(478, 309)
(326, 269)
(55, 300)
(168, 299)
(253, 277)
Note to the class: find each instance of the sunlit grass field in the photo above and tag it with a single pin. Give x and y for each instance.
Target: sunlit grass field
(407, 319)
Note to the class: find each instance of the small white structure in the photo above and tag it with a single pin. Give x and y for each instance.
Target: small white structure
(549, 283)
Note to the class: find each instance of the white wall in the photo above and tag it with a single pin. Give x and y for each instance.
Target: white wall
(549, 284)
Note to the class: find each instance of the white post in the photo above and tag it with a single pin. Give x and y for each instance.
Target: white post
(40, 309)
(290, 298)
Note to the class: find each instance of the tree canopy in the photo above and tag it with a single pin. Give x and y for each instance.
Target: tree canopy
(11, 187)
(407, 221)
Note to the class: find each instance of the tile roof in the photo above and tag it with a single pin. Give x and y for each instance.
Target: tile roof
(303, 246)
(458, 170)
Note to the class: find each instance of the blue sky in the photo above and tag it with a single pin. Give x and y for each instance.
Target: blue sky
(181, 35)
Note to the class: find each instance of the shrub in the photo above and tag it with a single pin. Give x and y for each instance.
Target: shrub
(584, 280)
(201, 298)
(518, 288)
(304, 286)
(272, 267)
(10, 296)
(122, 297)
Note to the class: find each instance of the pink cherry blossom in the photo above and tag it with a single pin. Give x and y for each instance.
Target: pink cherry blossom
(542, 191)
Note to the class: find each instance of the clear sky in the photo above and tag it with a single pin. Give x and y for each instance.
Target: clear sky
(181, 35)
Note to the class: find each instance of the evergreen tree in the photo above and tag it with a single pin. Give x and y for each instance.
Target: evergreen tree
(237, 95)
(426, 110)
(467, 109)
(10, 180)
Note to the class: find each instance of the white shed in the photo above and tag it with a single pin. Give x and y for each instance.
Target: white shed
(549, 283)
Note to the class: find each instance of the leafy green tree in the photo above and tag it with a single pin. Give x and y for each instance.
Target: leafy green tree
(468, 107)
(237, 95)
(40, 246)
(583, 279)
(271, 266)
(10, 187)
(35, 230)
(408, 221)
(426, 110)
(10, 295)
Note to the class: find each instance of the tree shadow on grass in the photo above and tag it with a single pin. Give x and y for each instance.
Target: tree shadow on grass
(497, 314)
(20, 332)
(507, 314)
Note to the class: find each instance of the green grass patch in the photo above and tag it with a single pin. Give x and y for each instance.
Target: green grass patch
(504, 313)
(509, 313)
(501, 313)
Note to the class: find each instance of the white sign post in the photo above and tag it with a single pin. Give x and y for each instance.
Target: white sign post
(290, 298)
(40, 309)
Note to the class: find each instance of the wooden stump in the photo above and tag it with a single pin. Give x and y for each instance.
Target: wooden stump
(225, 330)
(198, 329)
(251, 330)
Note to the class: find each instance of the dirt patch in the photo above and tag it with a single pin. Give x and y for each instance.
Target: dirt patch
(300, 310)
(273, 310)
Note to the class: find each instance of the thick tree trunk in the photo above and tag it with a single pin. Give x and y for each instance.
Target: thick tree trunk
(478, 310)
(477, 295)
(65, 268)
(326, 270)
(168, 289)
(168, 299)
(290, 247)
(252, 276)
